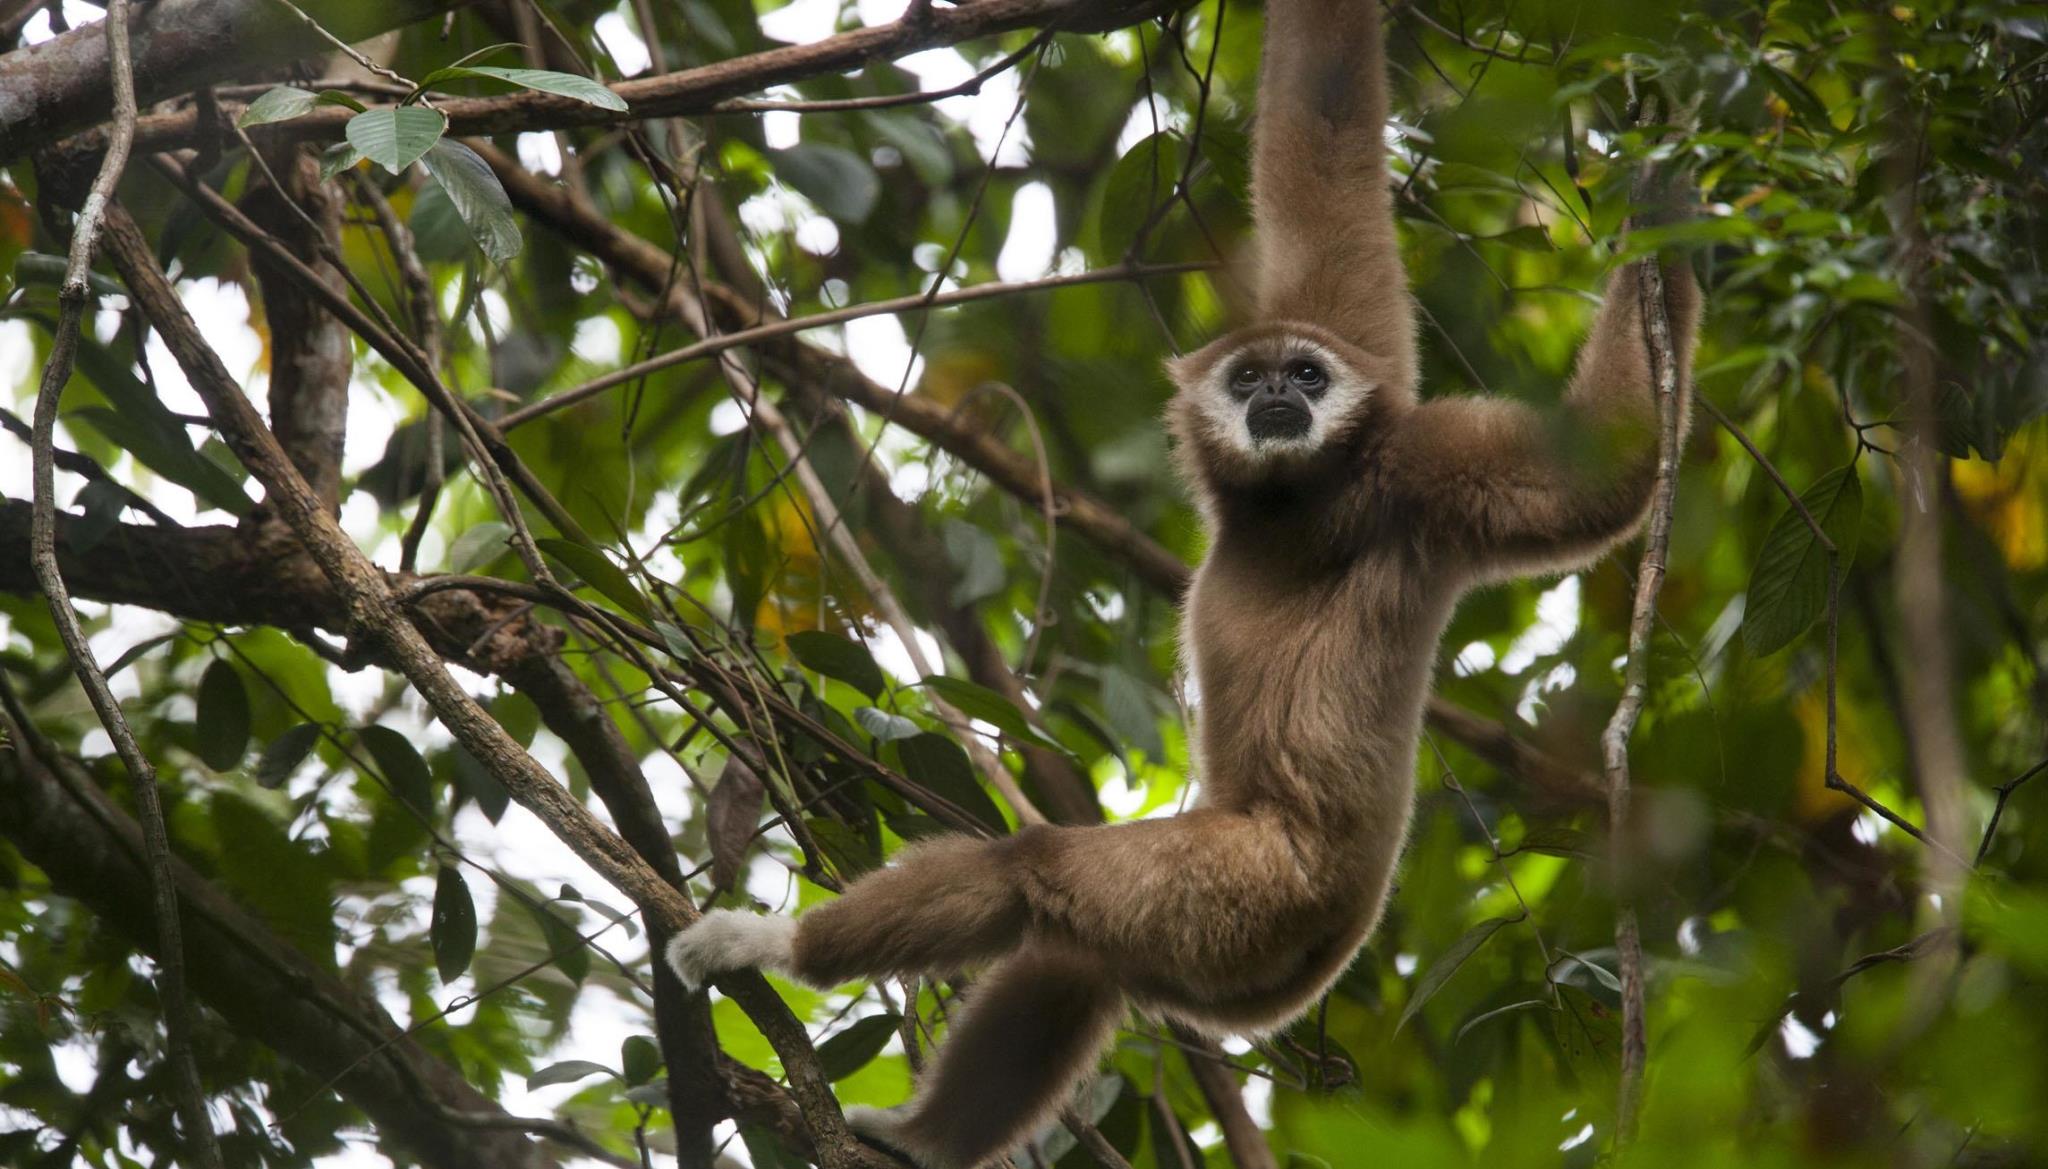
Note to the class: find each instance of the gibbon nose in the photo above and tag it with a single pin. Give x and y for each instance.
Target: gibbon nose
(1277, 410)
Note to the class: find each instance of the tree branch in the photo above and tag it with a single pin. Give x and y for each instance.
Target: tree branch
(190, 1096)
(311, 352)
(373, 614)
(1241, 1134)
(754, 335)
(263, 988)
(689, 92)
(57, 87)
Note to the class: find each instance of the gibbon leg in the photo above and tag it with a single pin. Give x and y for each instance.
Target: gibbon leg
(1029, 1030)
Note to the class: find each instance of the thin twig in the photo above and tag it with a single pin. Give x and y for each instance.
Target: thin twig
(177, 1009)
(353, 53)
(497, 464)
(1910, 950)
(374, 612)
(1792, 497)
(1500, 860)
(967, 88)
(2005, 791)
(916, 302)
(1656, 323)
(86, 468)
(1090, 1138)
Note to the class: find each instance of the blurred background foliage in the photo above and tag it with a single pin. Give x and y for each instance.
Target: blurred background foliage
(1862, 172)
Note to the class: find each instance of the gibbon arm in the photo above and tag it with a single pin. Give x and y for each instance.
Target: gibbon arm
(1328, 253)
(1508, 489)
(1207, 891)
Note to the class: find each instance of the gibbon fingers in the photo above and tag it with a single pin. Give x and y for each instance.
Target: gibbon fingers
(1346, 517)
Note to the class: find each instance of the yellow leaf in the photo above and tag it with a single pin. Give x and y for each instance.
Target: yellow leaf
(2006, 498)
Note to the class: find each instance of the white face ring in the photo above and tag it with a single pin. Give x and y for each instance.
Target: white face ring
(1224, 416)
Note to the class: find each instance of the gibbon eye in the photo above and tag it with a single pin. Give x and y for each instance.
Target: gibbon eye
(1245, 380)
(1307, 376)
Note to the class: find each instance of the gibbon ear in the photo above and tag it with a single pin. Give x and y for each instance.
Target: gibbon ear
(1186, 370)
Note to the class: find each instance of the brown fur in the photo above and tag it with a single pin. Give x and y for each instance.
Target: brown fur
(1310, 627)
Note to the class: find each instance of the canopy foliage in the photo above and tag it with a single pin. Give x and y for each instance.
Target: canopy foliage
(697, 622)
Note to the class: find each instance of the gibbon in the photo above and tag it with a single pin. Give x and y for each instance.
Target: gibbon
(1346, 517)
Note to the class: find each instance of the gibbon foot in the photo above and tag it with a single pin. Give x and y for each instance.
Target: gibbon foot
(729, 939)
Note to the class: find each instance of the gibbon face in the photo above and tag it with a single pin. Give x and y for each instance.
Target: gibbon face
(1267, 403)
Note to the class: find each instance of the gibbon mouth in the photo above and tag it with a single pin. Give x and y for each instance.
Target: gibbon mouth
(1281, 419)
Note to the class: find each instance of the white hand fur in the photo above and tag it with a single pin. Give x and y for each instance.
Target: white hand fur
(730, 939)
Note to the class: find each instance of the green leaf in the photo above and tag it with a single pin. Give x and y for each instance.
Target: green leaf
(1529, 237)
(566, 947)
(1139, 182)
(1127, 703)
(1557, 841)
(1595, 979)
(336, 97)
(478, 546)
(1788, 588)
(748, 562)
(885, 726)
(598, 572)
(438, 232)
(567, 1072)
(44, 268)
(282, 755)
(132, 653)
(921, 145)
(840, 182)
(1447, 963)
(769, 1149)
(980, 702)
(1495, 1013)
(978, 559)
(836, 657)
(940, 766)
(676, 640)
(1803, 101)
(102, 503)
(854, 1048)
(611, 913)
(162, 447)
(851, 853)
(278, 105)
(472, 58)
(401, 766)
(396, 138)
(478, 197)
(454, 68)
(476, 782)
(568, 85)
(654, 1094)
(338, 158)
(453, 931)
(223, 717)
(641, 1059)
(1587, 1034)
(914, 826)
